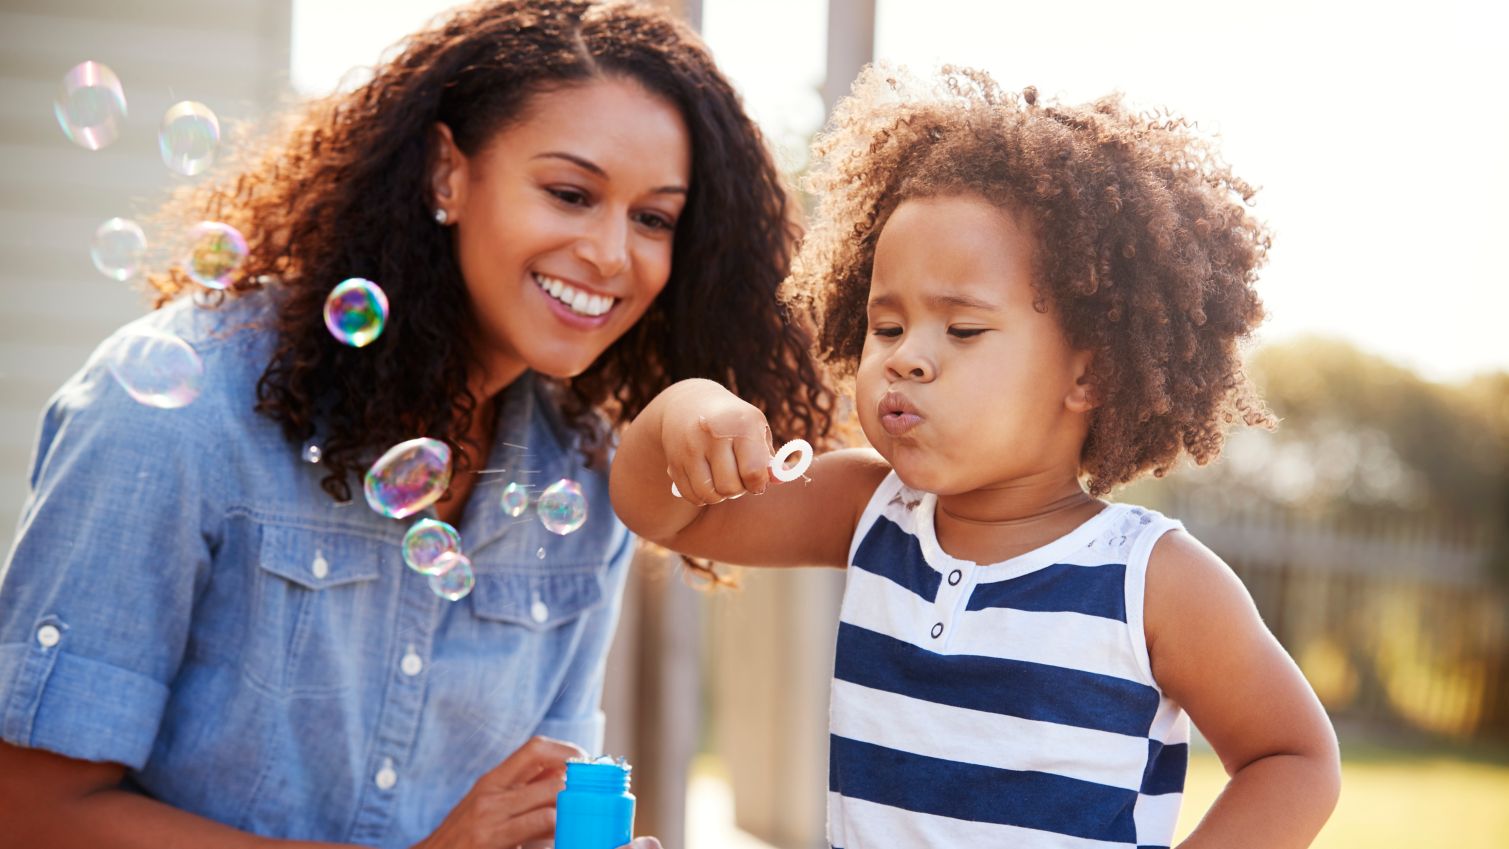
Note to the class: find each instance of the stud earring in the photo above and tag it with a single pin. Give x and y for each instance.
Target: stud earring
(441, 217)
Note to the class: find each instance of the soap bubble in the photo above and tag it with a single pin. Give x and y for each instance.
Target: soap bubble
(90, 106)
(411, 476)
(215, 252)
(117, 249)
(562, 507)
(426, 540)
(453, 578)
(356, 312)
(155, 368)
(189, 135)
(515, 499)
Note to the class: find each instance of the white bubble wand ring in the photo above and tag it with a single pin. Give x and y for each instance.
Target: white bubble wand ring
(799, 448)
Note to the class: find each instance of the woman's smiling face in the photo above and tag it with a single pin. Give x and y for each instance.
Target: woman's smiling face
(564, 223)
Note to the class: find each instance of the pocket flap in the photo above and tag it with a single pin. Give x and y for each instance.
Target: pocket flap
(536, 600)
(317, 559)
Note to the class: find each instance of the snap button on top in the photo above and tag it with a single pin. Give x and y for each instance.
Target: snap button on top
(937, 630)
(538, 611)
(387, 776)
(48, 636)
(954, 577)
(411, 664)
(320, 567)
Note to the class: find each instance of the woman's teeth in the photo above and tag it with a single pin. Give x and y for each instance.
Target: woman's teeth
(578, 301)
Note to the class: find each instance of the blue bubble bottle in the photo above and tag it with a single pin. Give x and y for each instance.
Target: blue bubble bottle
(596, 810)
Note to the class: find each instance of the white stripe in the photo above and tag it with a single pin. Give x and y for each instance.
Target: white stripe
(879, 604)
(858, 824)
(1156, 817)
(987, 739)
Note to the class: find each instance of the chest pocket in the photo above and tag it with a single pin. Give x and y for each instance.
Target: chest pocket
(537, 599)
(316, 618)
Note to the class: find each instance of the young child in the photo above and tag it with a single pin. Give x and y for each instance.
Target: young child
(1036, 303)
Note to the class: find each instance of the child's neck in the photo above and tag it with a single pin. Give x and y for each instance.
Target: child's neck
(998, 523)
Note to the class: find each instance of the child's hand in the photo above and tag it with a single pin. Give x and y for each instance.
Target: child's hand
(716, 445)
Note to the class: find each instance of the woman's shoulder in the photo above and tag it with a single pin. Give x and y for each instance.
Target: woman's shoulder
(177, 373)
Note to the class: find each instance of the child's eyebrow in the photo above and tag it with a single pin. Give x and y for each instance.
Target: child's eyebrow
(940, 303)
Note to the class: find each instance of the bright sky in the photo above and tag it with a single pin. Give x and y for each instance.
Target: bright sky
(1379, 132)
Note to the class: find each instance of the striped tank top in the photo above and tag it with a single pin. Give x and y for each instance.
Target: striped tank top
(1009, 704)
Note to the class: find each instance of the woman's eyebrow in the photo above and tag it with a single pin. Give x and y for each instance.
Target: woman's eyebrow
(592, 167)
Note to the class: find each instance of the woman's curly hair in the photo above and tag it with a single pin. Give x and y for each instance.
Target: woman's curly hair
(1147, 254)
(344, 192)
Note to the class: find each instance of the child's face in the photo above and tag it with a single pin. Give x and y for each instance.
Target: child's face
(962, 385)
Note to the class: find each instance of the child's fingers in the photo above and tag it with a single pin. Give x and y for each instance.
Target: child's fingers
(722, 460)
(752, 457)
(693, 481)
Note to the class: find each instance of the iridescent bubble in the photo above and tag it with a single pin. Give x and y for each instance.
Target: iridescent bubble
(90, 106)
(117, 248)
(311, 452)
(562, 507)
(215, 252)
(155, 368)
(356, 312)
(411, 476)
(453, 578)
(515, 499)
(189, 135)
(426, 540)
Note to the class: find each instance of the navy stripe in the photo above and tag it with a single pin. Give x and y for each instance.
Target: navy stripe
(1060, 588)
(892, 553)
(1165, 768)
(1011, 687)
(1036, 800)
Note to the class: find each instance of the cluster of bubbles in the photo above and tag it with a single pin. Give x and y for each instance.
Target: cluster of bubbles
(160, 370)
(154, 368)
(412, 475)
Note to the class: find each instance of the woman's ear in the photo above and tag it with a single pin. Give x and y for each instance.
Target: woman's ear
(447, 174)
(1081, 397)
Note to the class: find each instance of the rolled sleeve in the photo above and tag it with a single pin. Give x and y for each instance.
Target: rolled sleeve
(97, 594)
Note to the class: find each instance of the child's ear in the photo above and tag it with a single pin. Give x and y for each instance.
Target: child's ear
(1081, 397)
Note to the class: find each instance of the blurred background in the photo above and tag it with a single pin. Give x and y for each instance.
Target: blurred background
(1370, 528)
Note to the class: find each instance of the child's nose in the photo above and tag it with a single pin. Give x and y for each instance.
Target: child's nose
(910, 363)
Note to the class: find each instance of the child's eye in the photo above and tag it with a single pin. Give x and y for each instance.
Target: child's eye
(887, 331)
(965, 332)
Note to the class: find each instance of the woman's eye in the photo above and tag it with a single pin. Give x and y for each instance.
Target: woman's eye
(656, 221)
(965, 332)
(570, 196)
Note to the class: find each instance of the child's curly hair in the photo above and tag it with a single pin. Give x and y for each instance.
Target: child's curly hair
(1148, 253)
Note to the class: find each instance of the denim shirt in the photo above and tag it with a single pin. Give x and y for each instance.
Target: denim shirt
(184, 599)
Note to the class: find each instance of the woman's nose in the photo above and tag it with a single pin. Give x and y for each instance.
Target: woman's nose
(606, 245)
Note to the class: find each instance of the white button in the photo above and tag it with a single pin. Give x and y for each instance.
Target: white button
(386, 777)
(48, 636)
(538, 611)
(319, 567)
(411, 664)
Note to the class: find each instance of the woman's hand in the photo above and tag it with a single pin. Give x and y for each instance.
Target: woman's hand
(513, 803)
(716, 445)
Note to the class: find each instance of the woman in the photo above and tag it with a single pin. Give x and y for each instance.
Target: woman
(204, 637)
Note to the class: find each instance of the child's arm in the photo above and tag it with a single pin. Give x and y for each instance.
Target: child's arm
(716, 447)
(1212, 654)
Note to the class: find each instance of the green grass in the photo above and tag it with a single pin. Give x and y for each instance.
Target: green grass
(1394, 794)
